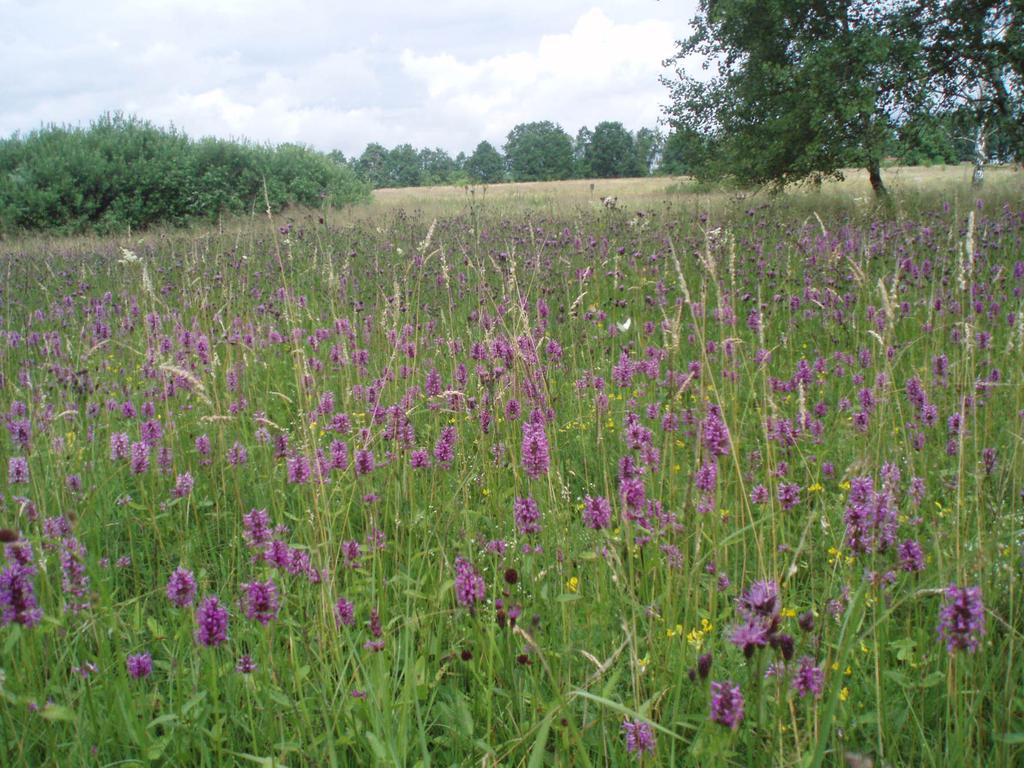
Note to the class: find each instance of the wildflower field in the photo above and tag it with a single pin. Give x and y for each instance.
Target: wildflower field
(676, 485)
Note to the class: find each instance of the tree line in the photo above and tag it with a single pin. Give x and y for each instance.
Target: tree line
(533, 151)
(544, 151)
(122, 171)
(800, 89)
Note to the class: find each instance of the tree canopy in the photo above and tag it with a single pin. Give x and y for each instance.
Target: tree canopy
(485, 165)
(539, 151)
(804, 88)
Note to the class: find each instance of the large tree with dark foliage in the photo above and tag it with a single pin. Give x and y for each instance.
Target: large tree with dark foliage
(801, 88)
(611, 152)
(539, 151)
(485, 165)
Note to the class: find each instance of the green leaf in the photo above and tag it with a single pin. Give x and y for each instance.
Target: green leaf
(537, 753)
(156, 750)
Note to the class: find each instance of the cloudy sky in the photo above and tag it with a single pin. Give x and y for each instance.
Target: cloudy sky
(340, 74)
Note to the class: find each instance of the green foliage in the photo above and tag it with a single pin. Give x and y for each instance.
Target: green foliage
(539, 151)
(372, 165)
(611, 152)
(485, 165)
(686, 152)
(802, 89)
(124, 172)
(974, 61)
(437, 166)
(403, 167)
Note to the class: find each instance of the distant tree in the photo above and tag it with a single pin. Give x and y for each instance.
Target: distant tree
(485, 165)
(539, 151)
(337, 156)
(372, 165)
(650, 143)
(928, 139)
(802, 88)
(403, 168)
(580, 149)
(686, 152)
(437, 166)
(611, 152)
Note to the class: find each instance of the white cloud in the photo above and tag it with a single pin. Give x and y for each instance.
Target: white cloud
(600, 70)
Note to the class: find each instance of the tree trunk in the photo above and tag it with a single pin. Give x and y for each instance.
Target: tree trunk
(875, 176)
(980, 155)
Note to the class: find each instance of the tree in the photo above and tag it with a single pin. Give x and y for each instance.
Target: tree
(580, 148)
(611, 152)
(802, 87)
(403, 167)
(539, 151)
(686, 152)
(437, 165)
(650, 144)
(485, 165)
(371, 166)
(975, 64)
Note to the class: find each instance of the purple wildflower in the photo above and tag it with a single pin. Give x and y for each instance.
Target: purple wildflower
(750, 636)
(911, 556)
(344, 613)
(809, 678)
(962, 619)
(74, 581)
(120, 446)
(245, 665)
(364, 462)
(18, 596)
(715, 434)
(17, 470)
(237, 455)
(139, 665)
(298, 470)
(639, 737)
(597, 512)
(183, 485)
(260, 601)
(139, 458)
(759, 601)
(444, 450)
(212, 622)
(759, 495)
(181, 587)
(789, 495)
(726, 704)
(527, 516)
(469, 585)
(535, 450)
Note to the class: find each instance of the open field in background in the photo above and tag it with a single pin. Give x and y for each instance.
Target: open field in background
(512, 479)
(640, 193)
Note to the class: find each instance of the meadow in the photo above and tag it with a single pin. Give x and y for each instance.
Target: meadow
(505, 477)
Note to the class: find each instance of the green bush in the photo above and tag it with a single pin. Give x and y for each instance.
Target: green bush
(124, 172)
